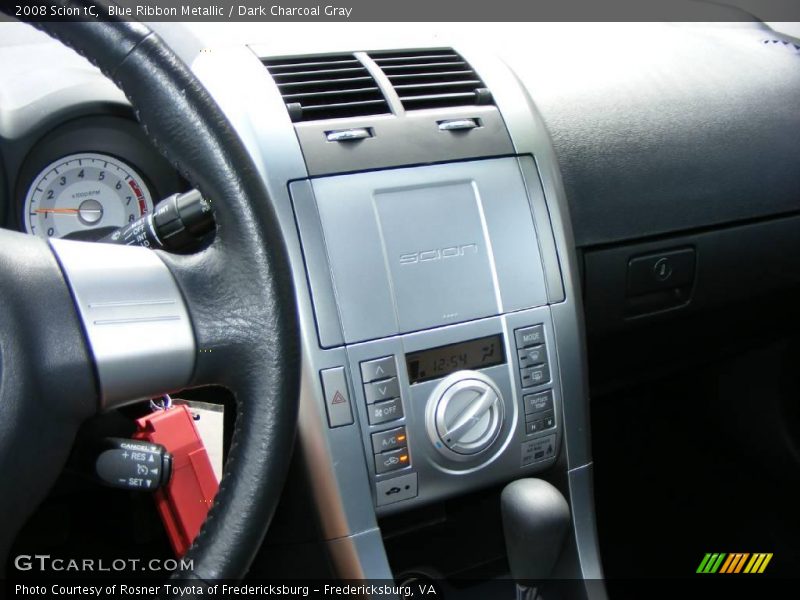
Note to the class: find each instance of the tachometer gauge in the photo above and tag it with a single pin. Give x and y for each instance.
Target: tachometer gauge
(83, 194)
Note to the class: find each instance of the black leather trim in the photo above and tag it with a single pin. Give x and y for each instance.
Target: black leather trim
(239, 291)
(47, 385)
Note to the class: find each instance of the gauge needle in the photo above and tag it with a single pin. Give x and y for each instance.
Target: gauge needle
(58, 211)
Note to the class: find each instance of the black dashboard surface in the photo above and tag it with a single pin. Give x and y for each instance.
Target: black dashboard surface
(665, 128)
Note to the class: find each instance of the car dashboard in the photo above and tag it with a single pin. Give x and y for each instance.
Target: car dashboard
(463, 215)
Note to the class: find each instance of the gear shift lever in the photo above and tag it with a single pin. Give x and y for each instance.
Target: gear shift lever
(535, 521)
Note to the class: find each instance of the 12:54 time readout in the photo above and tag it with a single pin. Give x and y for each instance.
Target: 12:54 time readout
(443, 360)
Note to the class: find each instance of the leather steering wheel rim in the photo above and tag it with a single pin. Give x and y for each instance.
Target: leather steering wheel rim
(239, 290)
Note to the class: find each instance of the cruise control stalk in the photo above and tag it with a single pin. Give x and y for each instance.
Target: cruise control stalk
(176, 223)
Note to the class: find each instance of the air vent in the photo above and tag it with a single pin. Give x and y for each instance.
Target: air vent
(432, 79)
(326, 87)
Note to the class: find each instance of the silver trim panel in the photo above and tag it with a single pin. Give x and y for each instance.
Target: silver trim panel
(136, 322)
(409, 249)
(530, 137)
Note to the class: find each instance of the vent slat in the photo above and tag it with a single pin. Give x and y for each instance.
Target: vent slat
(295, 60)
(470, 83)
(311, 66)
(436, 78)
(420, 68)
(326, 87)
(411, 59)
(313, 107)
(439, 75)
(324, 84)
(319, 74)
(372, 92)
(424, 97)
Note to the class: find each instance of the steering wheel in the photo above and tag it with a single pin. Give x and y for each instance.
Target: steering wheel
(239, 307)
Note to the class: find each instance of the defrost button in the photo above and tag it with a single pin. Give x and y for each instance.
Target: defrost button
(535, 375)
(532, 356)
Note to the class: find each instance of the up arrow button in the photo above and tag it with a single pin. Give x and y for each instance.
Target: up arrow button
(380, 368)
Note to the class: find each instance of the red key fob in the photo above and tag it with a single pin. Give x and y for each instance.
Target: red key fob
(185, 501)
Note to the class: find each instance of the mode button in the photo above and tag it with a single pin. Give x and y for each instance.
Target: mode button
(529, 336)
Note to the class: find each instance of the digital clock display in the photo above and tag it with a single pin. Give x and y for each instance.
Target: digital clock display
(441, 361)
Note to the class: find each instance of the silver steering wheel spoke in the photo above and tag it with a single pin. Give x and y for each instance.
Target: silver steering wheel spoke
(134, 317)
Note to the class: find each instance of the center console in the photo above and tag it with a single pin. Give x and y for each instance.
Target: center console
(434, 280)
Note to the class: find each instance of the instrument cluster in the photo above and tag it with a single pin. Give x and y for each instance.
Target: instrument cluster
(87, 177)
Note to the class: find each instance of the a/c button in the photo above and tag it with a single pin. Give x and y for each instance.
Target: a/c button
(389, 440)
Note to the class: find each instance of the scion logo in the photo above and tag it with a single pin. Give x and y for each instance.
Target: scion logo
(423, 256)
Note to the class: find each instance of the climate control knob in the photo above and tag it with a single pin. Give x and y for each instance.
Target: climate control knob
(464, 415)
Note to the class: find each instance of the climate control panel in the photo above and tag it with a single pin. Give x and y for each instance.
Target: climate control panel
(437, 408)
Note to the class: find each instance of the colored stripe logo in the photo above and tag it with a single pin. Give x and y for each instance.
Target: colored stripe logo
(738, 562)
